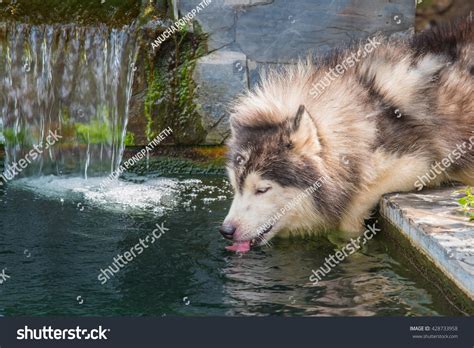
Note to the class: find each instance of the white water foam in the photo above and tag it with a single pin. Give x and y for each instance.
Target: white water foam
(151, 195)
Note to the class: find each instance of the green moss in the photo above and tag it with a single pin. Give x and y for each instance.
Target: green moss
(10, 136)
(112, 12)
(154, 92)
(129, 139)
(94, 133)
(98, 130)
(156, 9)
(424, 3)
(171, 90)
(13, 137)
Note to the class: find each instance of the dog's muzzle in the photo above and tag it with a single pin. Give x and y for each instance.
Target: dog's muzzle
(227, 230)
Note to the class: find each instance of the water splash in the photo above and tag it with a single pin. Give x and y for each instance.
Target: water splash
(76, 80)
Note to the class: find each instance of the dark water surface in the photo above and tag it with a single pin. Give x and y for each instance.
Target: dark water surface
(57, 234)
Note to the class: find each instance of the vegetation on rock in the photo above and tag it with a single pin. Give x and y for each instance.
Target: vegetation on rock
(87, 12)
(467, 202)
(171, 89)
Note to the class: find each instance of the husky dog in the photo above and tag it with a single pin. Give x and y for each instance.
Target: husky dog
(360, 122)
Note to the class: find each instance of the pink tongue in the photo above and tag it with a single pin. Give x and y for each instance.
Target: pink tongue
(241, 247)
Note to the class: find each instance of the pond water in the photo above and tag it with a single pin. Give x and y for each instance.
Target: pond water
(57, 234)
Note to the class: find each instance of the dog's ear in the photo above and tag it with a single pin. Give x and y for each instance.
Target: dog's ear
(304, 134)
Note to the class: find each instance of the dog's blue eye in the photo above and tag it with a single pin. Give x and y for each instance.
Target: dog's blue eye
(262, 190)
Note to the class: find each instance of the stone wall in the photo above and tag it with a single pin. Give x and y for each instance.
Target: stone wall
(244, 36)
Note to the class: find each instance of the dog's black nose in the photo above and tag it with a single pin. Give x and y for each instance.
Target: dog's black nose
(227, 230)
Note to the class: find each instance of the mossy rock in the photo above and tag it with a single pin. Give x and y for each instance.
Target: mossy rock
(180, 160)
(166, 166)
(170, 96)
(87, 12)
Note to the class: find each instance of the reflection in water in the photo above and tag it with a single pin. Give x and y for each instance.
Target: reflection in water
(276, 281)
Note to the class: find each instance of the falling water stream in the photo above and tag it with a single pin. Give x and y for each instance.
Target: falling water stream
(70, 80)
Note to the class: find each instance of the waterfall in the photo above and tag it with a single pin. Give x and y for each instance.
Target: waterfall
(69, 80)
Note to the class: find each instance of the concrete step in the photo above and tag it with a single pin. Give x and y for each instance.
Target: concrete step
(436, 227)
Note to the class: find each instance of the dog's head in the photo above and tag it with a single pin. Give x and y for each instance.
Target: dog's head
(274, 168)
